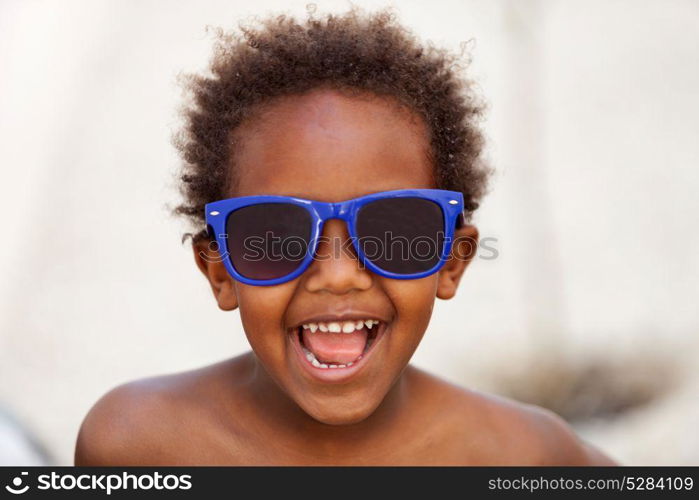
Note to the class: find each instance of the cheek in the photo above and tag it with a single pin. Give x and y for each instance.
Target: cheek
(262, 310)
(412, 298)
(413, 301)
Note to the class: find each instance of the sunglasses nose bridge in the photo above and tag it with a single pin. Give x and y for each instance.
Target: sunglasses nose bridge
(339, 210)
(326, 211)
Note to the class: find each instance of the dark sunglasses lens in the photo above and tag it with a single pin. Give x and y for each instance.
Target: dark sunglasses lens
(401, 235)
(269, 240)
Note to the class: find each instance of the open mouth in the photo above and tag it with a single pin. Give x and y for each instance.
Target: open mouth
(338, 344)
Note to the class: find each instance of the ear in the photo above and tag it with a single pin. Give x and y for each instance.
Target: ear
(210, 263)
(463, 250)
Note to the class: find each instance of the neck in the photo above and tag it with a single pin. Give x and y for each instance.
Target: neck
(290, 425)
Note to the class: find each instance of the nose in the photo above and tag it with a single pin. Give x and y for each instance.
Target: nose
(335, 267)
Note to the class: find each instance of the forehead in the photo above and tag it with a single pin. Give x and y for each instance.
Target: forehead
(329, 146)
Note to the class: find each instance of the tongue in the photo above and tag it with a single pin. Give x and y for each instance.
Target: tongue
(340, 348)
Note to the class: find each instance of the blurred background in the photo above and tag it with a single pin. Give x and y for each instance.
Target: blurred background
(590, 307)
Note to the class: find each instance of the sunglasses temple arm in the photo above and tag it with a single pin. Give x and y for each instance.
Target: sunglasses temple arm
(461, 220)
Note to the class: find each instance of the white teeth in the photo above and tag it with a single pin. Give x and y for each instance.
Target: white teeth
(312, 359)
(341, 326)
(329, 366)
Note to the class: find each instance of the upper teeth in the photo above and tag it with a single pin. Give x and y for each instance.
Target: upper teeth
(340, 326)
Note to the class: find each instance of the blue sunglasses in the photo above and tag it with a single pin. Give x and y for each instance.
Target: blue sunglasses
(402, 234)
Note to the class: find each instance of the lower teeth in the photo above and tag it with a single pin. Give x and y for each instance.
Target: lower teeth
(311, 357)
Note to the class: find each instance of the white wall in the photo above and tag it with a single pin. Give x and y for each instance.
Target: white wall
(592, 127)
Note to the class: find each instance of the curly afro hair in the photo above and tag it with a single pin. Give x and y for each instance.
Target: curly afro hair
(354, 51)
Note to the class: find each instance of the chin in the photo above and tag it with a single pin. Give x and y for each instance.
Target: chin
(341, 412)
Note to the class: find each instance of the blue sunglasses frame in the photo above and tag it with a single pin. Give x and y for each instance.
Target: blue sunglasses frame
(217, 213)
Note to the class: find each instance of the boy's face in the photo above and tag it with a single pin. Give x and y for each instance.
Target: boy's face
(329, 147)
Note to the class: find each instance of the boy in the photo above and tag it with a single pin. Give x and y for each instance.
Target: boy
(332, 131)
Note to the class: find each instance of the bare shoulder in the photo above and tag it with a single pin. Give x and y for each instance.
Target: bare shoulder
(144, 421)
(541, 437)
(499, 431)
